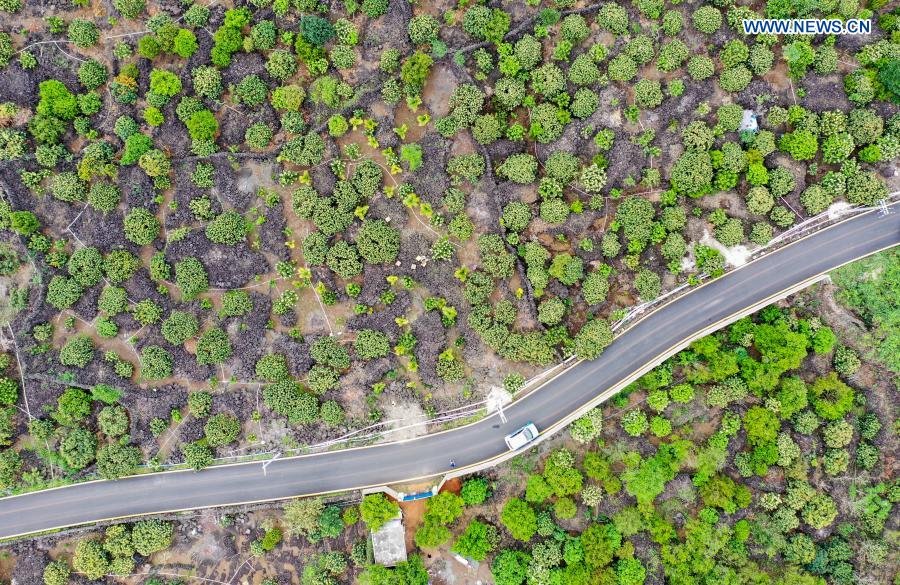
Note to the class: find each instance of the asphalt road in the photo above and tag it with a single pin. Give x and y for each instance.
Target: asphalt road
(645, 343)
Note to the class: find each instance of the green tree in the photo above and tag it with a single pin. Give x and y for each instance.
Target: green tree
(77, 352)
(196, 455)
(593, 338)
(378, 243)
(831, 398)
(519, 518)
(56, 573)
(116, 460)
(191, 278)
(90, 559)
(476, 541)
(377, 510)
(370, 344)
(301, 516)
(150, 536)
(141, 226)
(221, 429)
(510, 567)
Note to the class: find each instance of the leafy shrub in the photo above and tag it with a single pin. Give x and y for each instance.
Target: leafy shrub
(83, 33)
(519, 168)
(700, 67)
(378, 242)
(281, 64)
(213, 347)
(85, 266)
(707, 19)
(104, 197)
(648, 93)
(221, 429)
(370, 344)
(272, 368)
(613, 18)
(735, 79)
(92, 74)
(692, 173)
(156, 363)
(141, 226)
(179, 327)
(251, 91)
(191, 278)
(319, 31)
(77, 352)
(63, 292)
(227, 228)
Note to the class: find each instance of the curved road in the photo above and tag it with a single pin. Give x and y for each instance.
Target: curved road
(645, 343)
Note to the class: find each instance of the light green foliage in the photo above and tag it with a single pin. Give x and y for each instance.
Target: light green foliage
(199, 404)
(376, 510)
(156, 363)
(370, 344)
(179, 327)
(648, 285)
(141, 226)
(519, 518)
(707, 19)
(56, 573)
(83, 33)
(831, 398)
(235, 303)
(221, 429)
(613, 18)
(150, 536)
(90, 559)
(213, 347)
(77, 352)
(191, 277)
(592, 339)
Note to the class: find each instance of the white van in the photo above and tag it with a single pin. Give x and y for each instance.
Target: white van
(521, 437)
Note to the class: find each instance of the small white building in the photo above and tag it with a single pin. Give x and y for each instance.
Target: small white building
(389, 543)
(748, 122)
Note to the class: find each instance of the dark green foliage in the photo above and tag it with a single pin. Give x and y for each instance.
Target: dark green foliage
(85, 266)
(120, 265)
(378, 243)
(77, 352)
(191, 277)
(141, 226)
(221, 429)
(196, 455)
(227, 228)
(156, 363)
(370, 344)
(179, 327)
(316, 30)
(213, 347)
(272, 368)
(116, 460)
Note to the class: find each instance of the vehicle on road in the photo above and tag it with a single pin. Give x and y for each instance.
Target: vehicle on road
(521, 437)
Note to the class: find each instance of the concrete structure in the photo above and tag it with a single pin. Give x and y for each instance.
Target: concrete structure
(389, 543)
(748, 122)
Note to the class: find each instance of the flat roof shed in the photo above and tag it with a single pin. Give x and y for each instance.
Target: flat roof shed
(389, 543)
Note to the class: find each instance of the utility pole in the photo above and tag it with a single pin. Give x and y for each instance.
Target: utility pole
(500, 408)
(882, 204)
